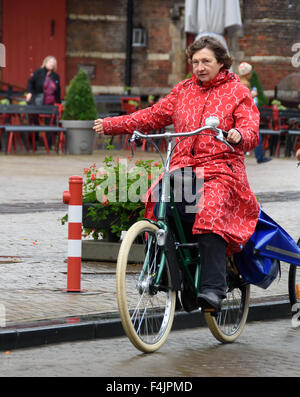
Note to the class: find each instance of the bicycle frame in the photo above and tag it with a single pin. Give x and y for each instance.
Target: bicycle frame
(162, 222)
(182, 246)
(178, 236)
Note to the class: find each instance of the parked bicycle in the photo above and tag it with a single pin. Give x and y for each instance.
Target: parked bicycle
(168, 272)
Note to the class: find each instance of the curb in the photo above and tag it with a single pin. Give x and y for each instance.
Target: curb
(86, 328)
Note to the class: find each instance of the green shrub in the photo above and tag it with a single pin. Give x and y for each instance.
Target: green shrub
(80, 102)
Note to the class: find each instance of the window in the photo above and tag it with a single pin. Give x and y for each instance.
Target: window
(139, 37)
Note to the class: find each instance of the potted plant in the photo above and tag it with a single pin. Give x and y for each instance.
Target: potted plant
(79, 114)
(113, 199)
(113, 196)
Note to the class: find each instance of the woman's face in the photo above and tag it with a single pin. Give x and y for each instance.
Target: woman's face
(50, 64)
(205, 65)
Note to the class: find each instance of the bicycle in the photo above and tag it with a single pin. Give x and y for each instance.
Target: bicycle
(170, 265)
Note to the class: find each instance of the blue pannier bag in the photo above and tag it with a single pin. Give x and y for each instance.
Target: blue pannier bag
(258, 262)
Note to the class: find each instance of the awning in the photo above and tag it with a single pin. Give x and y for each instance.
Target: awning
(212, 17)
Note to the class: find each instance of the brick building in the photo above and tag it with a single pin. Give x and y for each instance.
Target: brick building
(271, 31)
(93, 34)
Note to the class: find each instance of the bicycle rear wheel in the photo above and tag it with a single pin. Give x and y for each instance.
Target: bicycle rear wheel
(294, 285)
(146, 310)
(227, 324)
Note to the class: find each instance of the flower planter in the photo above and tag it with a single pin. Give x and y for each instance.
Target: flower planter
(121, 215)
(80, 111)
(89, 223)
(80, 136)
(105, 251)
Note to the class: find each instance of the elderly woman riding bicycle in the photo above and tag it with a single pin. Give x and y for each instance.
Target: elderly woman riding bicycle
(229, 211)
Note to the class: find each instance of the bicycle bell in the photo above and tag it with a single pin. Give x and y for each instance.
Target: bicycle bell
(212, 121)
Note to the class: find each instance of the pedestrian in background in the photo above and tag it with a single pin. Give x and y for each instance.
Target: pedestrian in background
(245, 72)
(43, 88)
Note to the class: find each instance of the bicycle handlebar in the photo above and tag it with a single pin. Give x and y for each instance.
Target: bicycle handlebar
(211, 124)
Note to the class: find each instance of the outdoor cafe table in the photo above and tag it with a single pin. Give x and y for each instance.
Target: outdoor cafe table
(27, 120)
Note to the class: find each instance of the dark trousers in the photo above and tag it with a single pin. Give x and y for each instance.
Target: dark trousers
(213, 263)
(259, 151)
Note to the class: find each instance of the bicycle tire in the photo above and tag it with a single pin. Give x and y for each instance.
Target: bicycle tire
(146, 312)
(294, 283)
(227, 324)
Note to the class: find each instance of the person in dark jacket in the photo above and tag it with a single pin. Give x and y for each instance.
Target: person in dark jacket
(43, 86)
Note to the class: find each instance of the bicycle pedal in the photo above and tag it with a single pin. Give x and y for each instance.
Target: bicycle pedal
(213, 312)
(209, 309)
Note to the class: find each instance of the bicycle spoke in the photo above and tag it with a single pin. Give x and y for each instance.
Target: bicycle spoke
(227, 325)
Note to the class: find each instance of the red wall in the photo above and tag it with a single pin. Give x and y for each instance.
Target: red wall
(32, 30)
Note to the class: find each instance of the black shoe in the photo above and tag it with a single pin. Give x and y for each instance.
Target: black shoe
(264, 160)
(209, 300)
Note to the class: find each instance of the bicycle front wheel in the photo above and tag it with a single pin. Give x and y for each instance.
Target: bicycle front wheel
(146, 309)
(294, 285)
(227, 324)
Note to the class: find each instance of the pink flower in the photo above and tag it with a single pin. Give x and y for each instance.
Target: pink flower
(104, 200)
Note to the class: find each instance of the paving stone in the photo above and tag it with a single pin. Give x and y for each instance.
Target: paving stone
(33, 250)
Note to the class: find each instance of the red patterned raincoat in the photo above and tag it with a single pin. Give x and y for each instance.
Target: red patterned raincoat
(230, 208)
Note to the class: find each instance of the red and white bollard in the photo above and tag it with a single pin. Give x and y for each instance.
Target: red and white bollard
(73, 197)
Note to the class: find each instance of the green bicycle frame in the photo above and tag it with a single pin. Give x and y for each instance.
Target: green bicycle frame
(178, 234)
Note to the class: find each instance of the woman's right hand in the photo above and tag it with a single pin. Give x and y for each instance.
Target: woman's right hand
(98, 126)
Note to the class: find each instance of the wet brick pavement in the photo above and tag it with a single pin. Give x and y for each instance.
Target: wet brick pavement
(34, 243)
(265, 349)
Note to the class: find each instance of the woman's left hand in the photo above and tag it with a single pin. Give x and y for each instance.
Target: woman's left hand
(233, 136)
